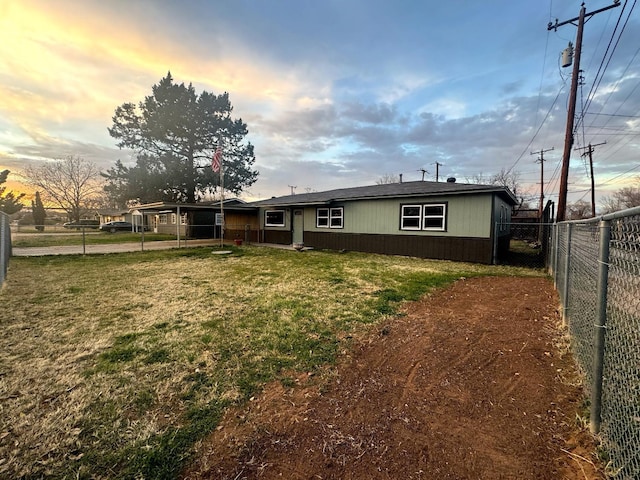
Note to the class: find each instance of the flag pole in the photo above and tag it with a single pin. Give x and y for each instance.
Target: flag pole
(216, 166)
(221, 194)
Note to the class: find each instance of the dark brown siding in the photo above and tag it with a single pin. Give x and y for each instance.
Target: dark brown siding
(477, 250)
(279, 237)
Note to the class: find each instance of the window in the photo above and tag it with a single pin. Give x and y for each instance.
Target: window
(162, 219)
(174, 217)
(410, 217)
(335, 217)
(430, 216)
(322, 218)
(183, 219)
(274, 218)
(433, 216)
(329, 217)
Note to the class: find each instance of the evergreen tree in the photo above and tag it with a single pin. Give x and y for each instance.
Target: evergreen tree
(175, 132)
(9, 201)
(38, 212)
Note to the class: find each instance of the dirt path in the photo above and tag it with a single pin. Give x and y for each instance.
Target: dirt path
(472, 383)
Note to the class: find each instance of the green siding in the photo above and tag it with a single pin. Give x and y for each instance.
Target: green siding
(467, 216)
(502, 206)
(287, 219)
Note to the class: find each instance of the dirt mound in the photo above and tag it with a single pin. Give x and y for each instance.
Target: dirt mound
(471, 383)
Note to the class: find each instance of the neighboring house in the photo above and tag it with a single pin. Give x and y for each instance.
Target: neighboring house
(202, 220)
(525, 223)
(114, 216)
(526, 215)
(440, 220)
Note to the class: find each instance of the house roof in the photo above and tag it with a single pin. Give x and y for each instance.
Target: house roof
(389, 190)
(234, 203)
(526, 213)
(112, 212)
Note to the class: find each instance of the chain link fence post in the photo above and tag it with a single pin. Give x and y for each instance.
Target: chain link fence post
(5, 245)
(556, 253)
(567, 270)
(601, 325)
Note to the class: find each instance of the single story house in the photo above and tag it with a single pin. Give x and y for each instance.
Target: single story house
(440, 220)
(114, 216)
(201, 220)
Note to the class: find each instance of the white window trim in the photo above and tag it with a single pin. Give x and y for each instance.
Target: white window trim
(266, 224)
(330, 216)
(422, 217)
(174, 218)
(162, 219)
(443, 217)
(325, 217)
(403, 216)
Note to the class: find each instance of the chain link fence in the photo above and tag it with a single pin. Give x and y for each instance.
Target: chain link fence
(527, 245)
(5, 245)
(596, 268)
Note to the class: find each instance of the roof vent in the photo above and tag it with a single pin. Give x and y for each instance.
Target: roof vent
(451, 180)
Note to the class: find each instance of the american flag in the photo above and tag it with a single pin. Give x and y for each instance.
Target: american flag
(217, 159)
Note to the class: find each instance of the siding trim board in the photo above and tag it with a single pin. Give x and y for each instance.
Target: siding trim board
(462, 249)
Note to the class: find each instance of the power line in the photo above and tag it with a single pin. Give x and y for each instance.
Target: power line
(614, 114)
(562, 196)
(541, 160)
(595, 86)
(593, 188)
(538, 130)
(620, 175)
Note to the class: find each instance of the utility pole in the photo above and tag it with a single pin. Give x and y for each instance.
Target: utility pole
(438, 165)
(589, 151)
(293, 187)
(568, 139)
(423, 172)
(541, 160)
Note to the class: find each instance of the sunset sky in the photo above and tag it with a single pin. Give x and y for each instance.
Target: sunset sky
(335, 93)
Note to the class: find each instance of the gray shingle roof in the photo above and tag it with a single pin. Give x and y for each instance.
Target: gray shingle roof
(389, 190)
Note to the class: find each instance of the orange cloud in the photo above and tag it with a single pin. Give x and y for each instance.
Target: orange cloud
(72, 61)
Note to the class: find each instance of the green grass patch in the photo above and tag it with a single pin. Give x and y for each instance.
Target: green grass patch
(139, 354)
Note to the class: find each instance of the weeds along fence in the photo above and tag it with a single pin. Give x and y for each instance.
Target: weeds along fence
(5, 245)
(596, 269)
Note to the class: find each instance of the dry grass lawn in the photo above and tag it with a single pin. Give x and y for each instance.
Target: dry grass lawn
(114, 366)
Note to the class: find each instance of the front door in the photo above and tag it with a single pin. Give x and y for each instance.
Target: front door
(298, 226)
